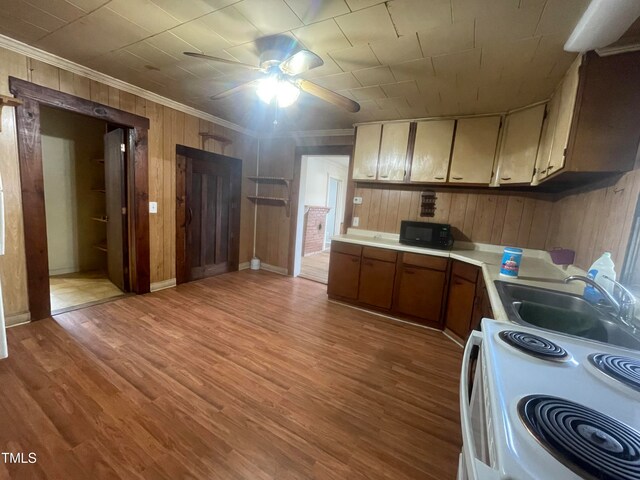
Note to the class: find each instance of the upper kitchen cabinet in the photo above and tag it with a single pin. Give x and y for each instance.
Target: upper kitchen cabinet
(474, 150)
(520, 140)
(432, 151)
(381, 152)
(367, 148)
(596, 126)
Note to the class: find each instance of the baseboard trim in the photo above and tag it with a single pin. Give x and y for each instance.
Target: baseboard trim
(244, 266)
(274, 269)
(17, 319)
(163, 284)
(63, 271)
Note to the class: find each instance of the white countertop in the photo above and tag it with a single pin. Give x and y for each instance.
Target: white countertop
(536, 268)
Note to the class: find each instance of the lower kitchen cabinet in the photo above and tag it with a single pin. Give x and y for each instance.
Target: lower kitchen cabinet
(376, 282)
(420, 287)
(344, 270)
(461, 302)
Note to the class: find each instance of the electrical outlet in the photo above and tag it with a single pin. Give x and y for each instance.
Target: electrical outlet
(357, 200)
(355, 222)
(153, 207)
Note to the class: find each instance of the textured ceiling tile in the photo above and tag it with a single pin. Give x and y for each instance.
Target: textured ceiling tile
(340, 81)
(144, 13)
(360, 4)
(448, 66)
(368, 105)
(355, 58)
(322, 36)
(311, 11)
(368, 93)
(509, 56)
(99, 32)
(449, 38)
(59, 8)
(374, 76)
(20, 30)
(200, 35)
(506, 24)
(401, 89)
(367, 26)
(269, 16)
(411, 16)
(88, 5)
(230, 24)
(401, 49)
(329, 68)
(188, 10)
(390, 103)
(30, 14)
(151, 55)
(171, 44)
(413, 70)
(560, 16)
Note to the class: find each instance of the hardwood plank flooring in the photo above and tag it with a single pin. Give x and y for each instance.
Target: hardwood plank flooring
(248, 375)
(316, 267)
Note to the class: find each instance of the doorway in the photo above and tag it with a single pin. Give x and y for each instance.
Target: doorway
(85, 202)
(321, 205)
(207, 214)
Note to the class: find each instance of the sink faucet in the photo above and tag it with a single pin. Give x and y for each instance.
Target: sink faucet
(625, 305)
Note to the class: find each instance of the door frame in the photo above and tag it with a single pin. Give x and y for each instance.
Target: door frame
(183, 154)
(338, 192)
(32, 179)
(343, 150)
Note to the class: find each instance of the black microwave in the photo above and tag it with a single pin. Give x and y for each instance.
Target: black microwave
(425, 234)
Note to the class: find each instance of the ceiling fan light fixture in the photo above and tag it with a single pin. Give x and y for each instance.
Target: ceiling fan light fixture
(283, 91)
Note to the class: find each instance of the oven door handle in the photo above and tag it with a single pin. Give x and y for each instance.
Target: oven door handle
(474, 466)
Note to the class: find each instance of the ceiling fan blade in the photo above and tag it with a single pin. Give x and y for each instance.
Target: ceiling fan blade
(327, 95)
(234, 90)
(222, 60)
(301, 62)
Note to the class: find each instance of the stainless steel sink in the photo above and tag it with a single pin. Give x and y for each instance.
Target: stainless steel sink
(563, 312)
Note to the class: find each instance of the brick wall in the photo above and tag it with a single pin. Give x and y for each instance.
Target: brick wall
(314, 228)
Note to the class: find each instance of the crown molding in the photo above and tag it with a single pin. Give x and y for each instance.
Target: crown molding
(616, 50)
(56, 61)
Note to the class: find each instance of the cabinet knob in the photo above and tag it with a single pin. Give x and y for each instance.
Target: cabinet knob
(457, 178)
(369, 175)
(384, 176)
(438, 178)
(505, 178)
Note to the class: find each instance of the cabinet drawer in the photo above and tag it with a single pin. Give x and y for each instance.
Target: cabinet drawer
(466, 271)
(379, 254)
(426, 261)
(348, 248)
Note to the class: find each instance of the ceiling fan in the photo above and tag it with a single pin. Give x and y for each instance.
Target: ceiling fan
(279, 79)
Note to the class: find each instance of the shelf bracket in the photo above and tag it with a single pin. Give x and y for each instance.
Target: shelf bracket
(224, 141)
(6, 101)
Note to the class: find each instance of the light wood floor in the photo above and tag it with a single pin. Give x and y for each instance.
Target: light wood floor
(249, 375)
(316, 267)
(80, 288)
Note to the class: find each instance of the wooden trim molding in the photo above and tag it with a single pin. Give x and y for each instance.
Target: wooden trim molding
(163, 284)
(32, 181)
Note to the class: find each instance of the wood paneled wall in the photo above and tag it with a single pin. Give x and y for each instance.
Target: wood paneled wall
(475, 215)
(168, 128)
(596, 220)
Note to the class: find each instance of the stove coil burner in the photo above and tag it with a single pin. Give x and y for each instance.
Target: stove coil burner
(622, 369)
(534, 345)
(591, 444)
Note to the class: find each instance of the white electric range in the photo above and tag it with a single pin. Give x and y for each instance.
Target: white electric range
(542, 405)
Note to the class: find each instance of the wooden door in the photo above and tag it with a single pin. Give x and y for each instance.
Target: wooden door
(474, 150)
(376, 282)
(520, 141)
(211, 213)
(546, 139)
(419, 293)
(432, 151)
(392, 161)
(344, 274)
(116, 211)
(567, 100)
(366, 150)
(460, 305)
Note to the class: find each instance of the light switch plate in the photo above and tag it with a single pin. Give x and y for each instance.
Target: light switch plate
(355, 222)
(357, 200)
(153, 207)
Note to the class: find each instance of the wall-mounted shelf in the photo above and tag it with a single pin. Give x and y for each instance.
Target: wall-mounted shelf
(99, 190)
(100, 219)
(101, 246)
(6, 101)
(285, 199)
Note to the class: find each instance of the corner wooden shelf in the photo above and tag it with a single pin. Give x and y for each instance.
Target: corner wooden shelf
(285, 200)
(101, 246)
(100, 219)
(6, 101)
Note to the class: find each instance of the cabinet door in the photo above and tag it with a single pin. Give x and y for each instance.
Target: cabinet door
(460, 305)
(376, 283)
(474, 150)
(546, 139)
(520, 140)
(419, 293)
(432, 151)
(365, 155)
(567, 101)
(392, 163)
(344, 275)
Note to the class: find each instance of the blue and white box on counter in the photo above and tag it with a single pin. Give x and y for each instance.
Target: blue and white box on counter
(510, 264)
